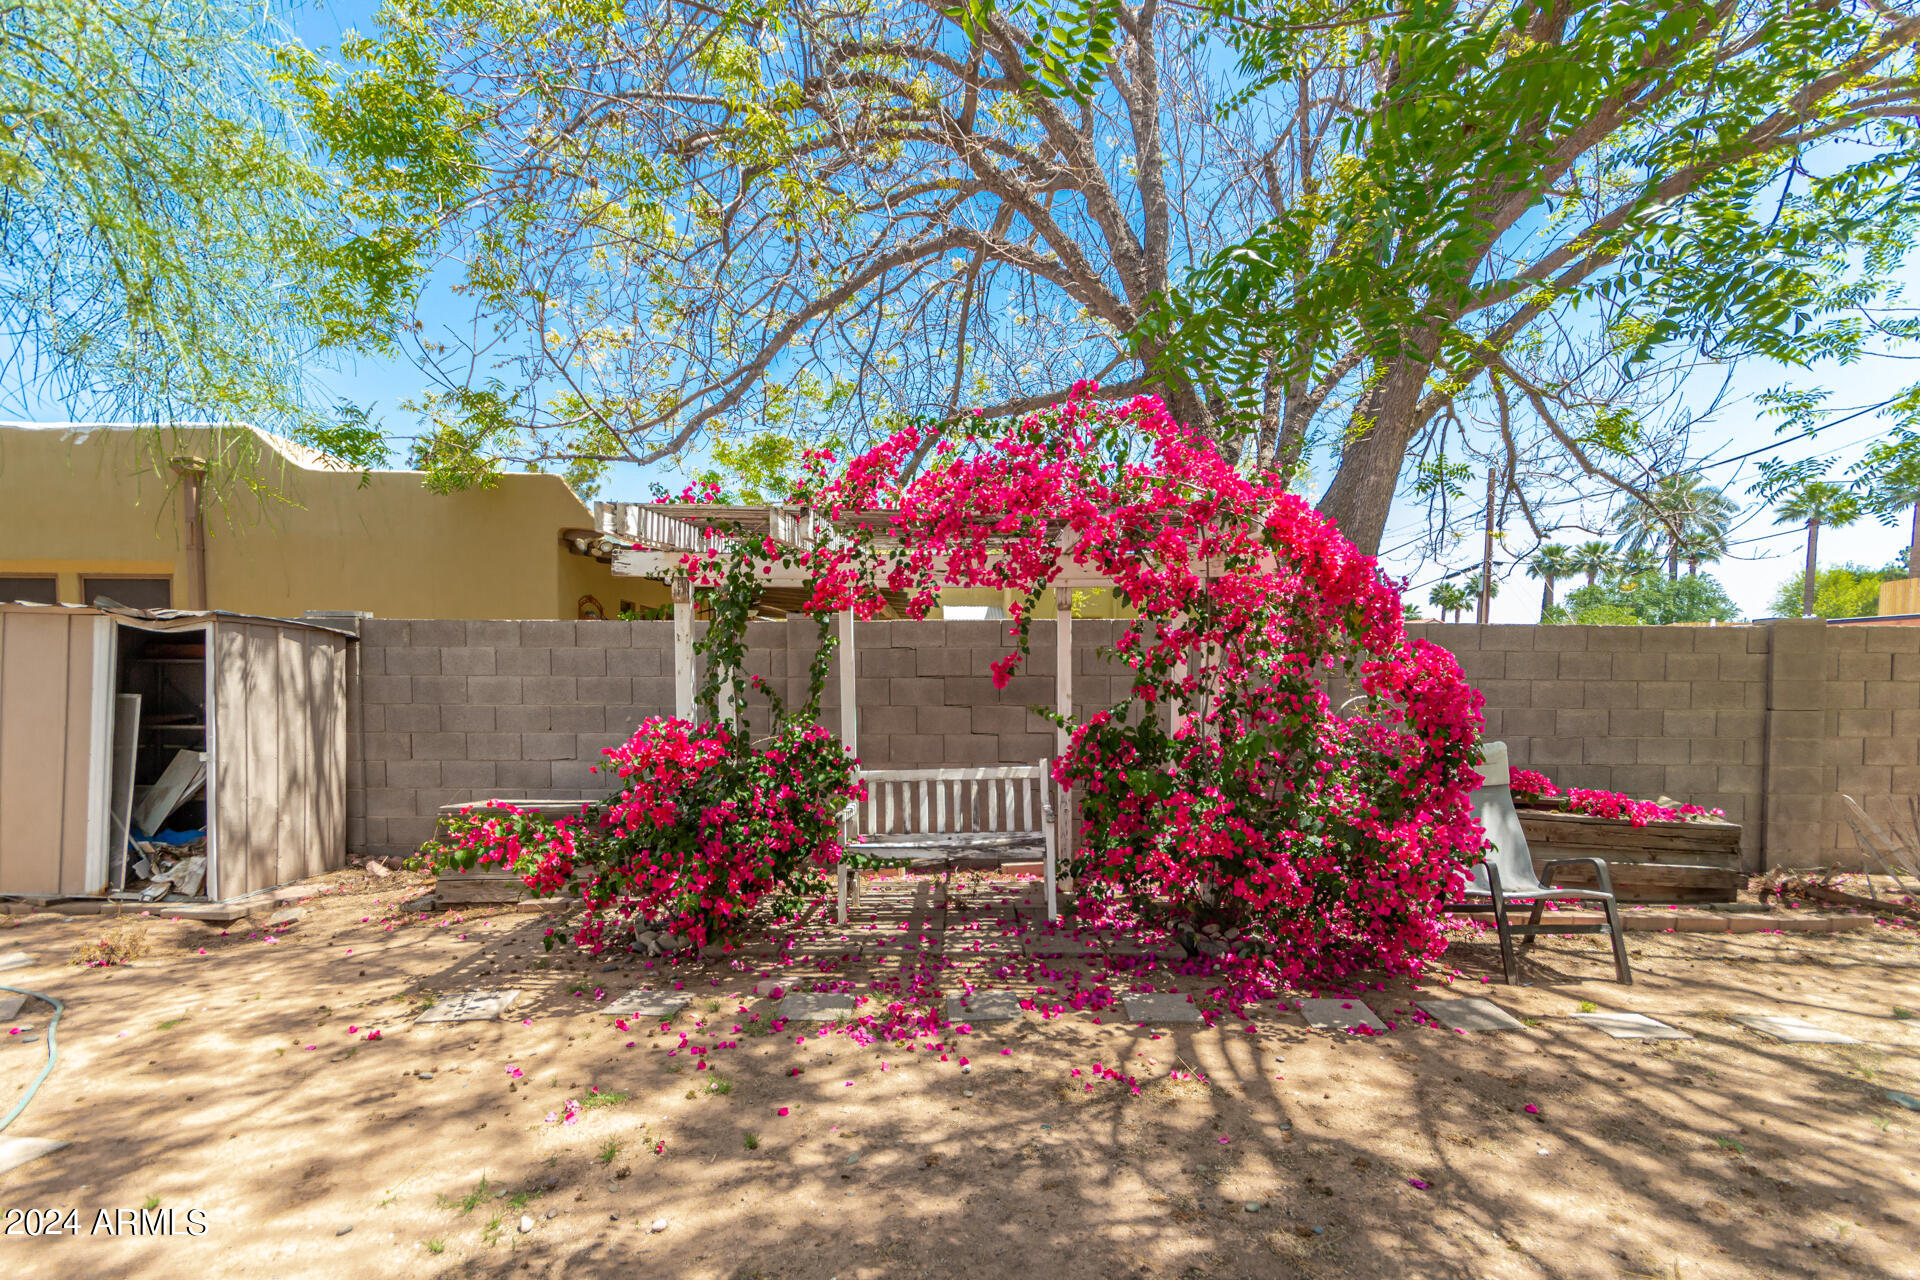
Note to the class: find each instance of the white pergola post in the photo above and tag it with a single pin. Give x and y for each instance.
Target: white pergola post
(849, 700)
(844, 667)
(1063, 702)
(682, 646)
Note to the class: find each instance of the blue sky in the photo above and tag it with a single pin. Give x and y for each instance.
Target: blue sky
(1766, 554)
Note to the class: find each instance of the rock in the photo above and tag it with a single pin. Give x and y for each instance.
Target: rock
(552, 1214)
(659, 1225)
(1253, 1206)
(291, 915)
(526, 1223)
(342, 1231)
(966, 1069)
(1212, 931)
(377, 869)
(967, 1094)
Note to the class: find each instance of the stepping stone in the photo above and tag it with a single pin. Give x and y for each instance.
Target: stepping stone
(1160, 1006)
(1792, 1030)
(1632, 1026)
(10, 1006)
(647, 1004)
(985, 1006)
(470, 1006)
(15, 1152)
(816, 1006)
(1472, 1014)
(1339, 1015)
(15, 960)
(1906, 1100)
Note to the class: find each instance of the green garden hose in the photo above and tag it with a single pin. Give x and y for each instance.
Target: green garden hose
(53, 1054)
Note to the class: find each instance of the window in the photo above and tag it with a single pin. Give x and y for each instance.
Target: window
(136, 593)
(36, 590)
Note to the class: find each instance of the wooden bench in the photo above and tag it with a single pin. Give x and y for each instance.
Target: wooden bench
(990, 813)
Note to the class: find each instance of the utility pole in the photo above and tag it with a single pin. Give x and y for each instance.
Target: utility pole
(1482, 614)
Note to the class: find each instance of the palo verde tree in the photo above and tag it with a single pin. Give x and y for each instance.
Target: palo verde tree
(168, 250)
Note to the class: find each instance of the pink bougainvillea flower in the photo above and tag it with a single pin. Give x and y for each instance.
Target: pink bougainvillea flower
(1417, 1184)
(1531, 1110)
(783, 1111)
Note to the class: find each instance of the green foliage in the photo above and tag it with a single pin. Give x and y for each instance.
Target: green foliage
(168, 251)
(1842, 591)
(1652, 600)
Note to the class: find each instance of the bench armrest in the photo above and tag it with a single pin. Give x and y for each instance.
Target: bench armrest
(1600, 874)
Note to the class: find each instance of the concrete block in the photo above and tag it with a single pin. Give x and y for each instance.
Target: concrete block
(636, 662)
(1890, 751)
(1661, 750)
(1864, 666)
(1161, 1007)
(1581, 724)
(549, 746)
(1687, 723)
(548, 689)
(1561, 639)
(523, 662)
(1608, 694)
(1689, 667)
(1340, 1015)
(1585, 664)
(1602, 749)
(465, 719)
(1471, 1014)
(475, 775)
(495, 691)
(1865, 723)
(384, 633)
(579, 775)
(439, 746)
(389, 802)
(494, 634)
(524, 775)
(1532, 664)
(1715, 751)
(1846, 694)
(1646, 666)
(969, 749)
(516, 718)
(605, 691)
(1480, 664)
(1520, 723)
(439, 633)
(653, 695)
(579, 662)
(915, 749)
(1556, 694)
(1551, 753)
(466, 661)
(891, 719)
(409, 833)
(413, 662)
(1664, 694)
(547, 635)
(578, 718)
(410, 717)
(493, 746)
(1502, 693)
(1026, 748)
(386, 746)
(1717, 695)
(942, 720)
(443, 689)
(386, 689)
(917, 692)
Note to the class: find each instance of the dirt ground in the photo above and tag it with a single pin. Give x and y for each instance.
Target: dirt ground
(228, 1071)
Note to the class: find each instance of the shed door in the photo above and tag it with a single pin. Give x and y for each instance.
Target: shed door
(56, 687)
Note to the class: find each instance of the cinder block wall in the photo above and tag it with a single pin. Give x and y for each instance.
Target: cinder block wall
(455, 711)
(1770, 723)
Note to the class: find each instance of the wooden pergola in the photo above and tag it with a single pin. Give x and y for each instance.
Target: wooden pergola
(651, 540)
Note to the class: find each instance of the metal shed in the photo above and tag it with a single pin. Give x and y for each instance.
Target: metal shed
(93, 700)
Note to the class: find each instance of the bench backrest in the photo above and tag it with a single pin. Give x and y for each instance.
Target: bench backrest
(1005, 799)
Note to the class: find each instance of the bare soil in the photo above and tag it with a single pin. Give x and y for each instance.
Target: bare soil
(227, 1071)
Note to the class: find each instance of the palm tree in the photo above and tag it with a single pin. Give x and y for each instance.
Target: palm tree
(1637, 566)
(1550, 564)
(1682, 513)
(1891, 472)
(1593, 559)
(1815, 503)
(1449, 597)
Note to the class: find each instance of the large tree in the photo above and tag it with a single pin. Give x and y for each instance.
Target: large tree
(168, 250)
(1420, 231)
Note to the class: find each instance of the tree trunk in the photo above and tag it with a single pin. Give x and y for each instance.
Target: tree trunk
(1546, 598)
(1361, 495)
(1806, 587)
(1913, 546)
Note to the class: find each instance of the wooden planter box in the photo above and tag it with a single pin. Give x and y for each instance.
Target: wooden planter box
(453, 887)
(1662, 862)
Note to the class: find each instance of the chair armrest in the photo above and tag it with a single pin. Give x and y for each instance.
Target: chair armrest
(1600, 874)
(1493, 878)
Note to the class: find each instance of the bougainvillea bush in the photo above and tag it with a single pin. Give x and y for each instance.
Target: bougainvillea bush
(707, 820)
(1531, 787)
(1287, 759)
